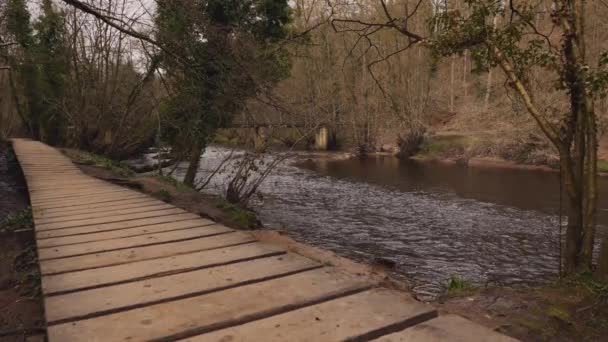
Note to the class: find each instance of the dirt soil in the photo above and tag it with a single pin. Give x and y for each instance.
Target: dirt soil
(22, 315)
(566, 312)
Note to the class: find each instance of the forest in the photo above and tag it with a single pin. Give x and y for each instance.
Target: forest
(522, 81)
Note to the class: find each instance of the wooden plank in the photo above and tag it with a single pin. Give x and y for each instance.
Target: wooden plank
(118, 274)
(129, 242)
(123, 233)
(50, 184)
(96, 302)
(214, 310)
(54, 193)
(77, 200)
(448, 328)
(95, 192)
(115, 225)
(96, 208)
(41, 219)
(54, 182)
(123, 256)
(61, 193)
(93, 200)
(108, 219)
(355, 317)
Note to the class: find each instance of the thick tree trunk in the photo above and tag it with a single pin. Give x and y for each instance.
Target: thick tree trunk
(193, 164)
(573, 235)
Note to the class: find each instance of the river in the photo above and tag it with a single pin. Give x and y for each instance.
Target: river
(433, 220)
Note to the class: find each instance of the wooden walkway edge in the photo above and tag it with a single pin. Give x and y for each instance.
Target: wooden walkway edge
(119, 265)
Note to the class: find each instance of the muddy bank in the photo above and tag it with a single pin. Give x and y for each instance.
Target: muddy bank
(22, 315)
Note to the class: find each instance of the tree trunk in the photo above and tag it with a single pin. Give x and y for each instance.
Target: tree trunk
(486, 103)
(194, 161)
(464, 73)
(602, 269)
(452, 67)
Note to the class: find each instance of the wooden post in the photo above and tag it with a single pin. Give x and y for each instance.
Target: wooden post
(322, 139)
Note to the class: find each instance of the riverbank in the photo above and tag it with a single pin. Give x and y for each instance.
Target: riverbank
(22, 315)
(571, 310)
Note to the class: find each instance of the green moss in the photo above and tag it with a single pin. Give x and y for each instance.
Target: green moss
(164, 195)
(179, 186)
(242, 217)
(559, 313)
(88, 158)
(602, 165)
(20, 220)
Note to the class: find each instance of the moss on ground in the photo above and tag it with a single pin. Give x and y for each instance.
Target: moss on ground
(602, 165)
(20, 220)
(244, 218)
(88, 158)
(170, 180)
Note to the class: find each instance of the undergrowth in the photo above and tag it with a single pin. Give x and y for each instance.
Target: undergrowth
(179, 186)
(87, 158)
(457, 285)
(20, 220)
(244, 218)
(164, 195)
(588, 281)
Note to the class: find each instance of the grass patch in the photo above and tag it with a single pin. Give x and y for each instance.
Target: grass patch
(244, 218)
(602, 165)
(87, 158)
(170, 180)
(457, 285)
(441, 146)
(163, 195)
(587, 281)
(20, 220)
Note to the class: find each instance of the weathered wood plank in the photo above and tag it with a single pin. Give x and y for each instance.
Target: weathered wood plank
(92, 200)
(73, 201)
(96, 302)
(117, 274)
(108, 219)
(42, 219)
(214, 310)
(41, 198)
(355, 317)
(129, 242)
(123, 233)
(141, 253)
(448, 328)
(114, 225)
(85, 208)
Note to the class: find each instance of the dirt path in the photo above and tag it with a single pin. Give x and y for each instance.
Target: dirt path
(21, 316)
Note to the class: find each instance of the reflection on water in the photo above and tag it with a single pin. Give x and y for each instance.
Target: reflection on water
(433, 220)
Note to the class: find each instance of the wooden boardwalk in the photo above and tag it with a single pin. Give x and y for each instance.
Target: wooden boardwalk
(118, 265)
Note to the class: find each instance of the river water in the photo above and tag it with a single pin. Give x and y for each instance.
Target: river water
(434, 221)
